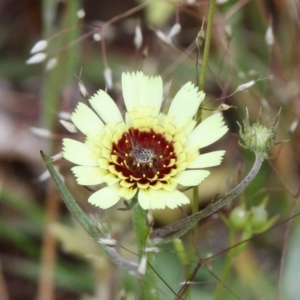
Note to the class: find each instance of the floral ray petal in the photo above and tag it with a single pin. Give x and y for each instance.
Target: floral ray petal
(142, 91)
(207, 132)
(80, 116)
(130, 86)
(106, 197)
(151, 199)
(151, 93)
(207, 160)
(88, 175)
(106, 108)
(176, 199)
(191, 177)
(186, 102)
(78, 153)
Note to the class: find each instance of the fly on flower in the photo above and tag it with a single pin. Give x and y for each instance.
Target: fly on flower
(149, 153)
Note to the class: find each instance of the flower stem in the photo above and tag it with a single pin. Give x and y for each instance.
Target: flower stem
(205, 59)
(147, 287)
(85, 222)
(210, 19)
(198, 118)
(177, 229)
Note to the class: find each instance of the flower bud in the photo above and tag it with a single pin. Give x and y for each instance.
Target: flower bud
(224, 106)
(174, 30)
(51, 64)
(239, 217)
(108, 78)
(200, 37)
(80, 13)
(39, 46)
(258, 137)
(138, 37)
(142, 266)
(36, 58)
(269, 36)
(258, 217)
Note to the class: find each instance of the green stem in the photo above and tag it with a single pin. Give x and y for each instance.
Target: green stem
(207, 43)
(177, 229)
(85, 222)
(198, 118)
(147, 288)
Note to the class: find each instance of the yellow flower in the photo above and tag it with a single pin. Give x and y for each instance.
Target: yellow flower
(149, 153)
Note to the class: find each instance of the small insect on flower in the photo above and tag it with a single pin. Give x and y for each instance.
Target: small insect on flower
(149, 153)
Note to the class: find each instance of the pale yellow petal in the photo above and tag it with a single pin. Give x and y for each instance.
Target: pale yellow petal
(150, 199)
(186, 102)
(78, 153)
(106, 197)
(88, 175)
(159, 199)
(127, 193)
(111, 179)
(103, 163)
(140, 90)
(106, 108)
(207, 160)
(130, 89)
(175, 199)
(207, 132)
(86, 120)
(151, 93)
(191, 177)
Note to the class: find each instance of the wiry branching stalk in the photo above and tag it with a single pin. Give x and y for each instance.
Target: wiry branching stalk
(177, 229)
(86, 222)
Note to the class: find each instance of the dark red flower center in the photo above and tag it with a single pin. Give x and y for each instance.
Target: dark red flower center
(144, 157)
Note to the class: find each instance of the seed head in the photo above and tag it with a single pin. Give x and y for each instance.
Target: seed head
(258, 137)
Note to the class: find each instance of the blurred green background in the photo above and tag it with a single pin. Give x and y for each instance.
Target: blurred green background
(44, 254)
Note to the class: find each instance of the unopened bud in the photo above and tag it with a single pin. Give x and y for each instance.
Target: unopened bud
(108, 78)
(107, 242)
(57, 157)
(200, 36)
(258, 137)
(293, 126)
(68, 125)
(259, 217)
(39, 46)
(174, 30)
(239, 217)
(245, 86)
(82, 90)
(81, 13)
(228, 31)
(37, 58)
(142, 266)
(224, 106)
(51, 64)
(269, 37)
(64, 115)
(97, 37)
(150, 220)
(138, 37)
(44, 176)
(41, 132)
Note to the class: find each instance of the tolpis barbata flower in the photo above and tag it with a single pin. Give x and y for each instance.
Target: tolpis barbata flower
(147, 154)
